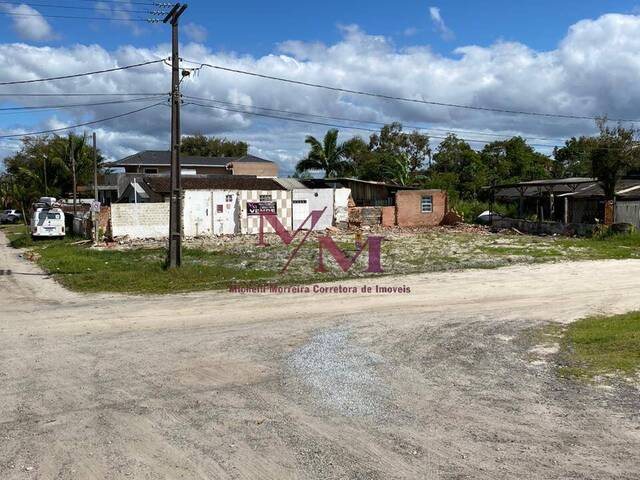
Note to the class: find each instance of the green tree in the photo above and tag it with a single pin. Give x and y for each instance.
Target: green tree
(203, 146)
(449, 154)
(512, 161)
(364, 163)
(458, 166)
(614, 154)
(393, 141)
(43, 165)
(574, 158)
(328, 156)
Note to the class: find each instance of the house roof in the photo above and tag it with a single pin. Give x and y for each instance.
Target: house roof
(291, 183)
(160, 158)
(345, 181)
(566, 187)
(161, 184)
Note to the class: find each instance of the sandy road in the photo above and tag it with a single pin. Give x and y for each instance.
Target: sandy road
(438, 383)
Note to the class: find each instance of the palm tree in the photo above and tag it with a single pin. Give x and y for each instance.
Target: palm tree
(328, 156)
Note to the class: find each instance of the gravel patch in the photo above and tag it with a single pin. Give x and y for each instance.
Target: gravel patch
(339, 375)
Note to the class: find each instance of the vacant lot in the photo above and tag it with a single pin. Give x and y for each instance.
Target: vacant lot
(217, 263)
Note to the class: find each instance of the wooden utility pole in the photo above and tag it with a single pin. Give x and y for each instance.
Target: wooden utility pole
(95, 168)
(95, 216)
(73, 173)
(174, 259)
(44, 170)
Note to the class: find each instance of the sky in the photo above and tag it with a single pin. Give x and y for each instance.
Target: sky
(569, 58)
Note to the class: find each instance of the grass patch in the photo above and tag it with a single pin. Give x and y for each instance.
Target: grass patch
(19, 235)
(142, 271)
(219, 263)
(602, 346)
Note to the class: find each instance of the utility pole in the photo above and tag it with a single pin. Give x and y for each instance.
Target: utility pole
(95, 216)
(174, 259)
(44, 168)
(95, 168)
(73, 172)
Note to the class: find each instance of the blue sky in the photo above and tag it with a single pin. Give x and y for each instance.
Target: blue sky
(570, 57)
(255, 27)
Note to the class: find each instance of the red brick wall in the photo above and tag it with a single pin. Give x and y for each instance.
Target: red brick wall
(408, 208)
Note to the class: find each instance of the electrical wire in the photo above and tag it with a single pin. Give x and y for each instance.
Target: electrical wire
(115, 69)
(84, 94)
(71, 127)
(341, 126)
(78, 17)
(152, 4)
(45, 108)
(371, 122)
(73, 7)
(402, 99)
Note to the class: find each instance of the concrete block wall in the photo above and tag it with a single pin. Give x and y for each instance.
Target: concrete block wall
(545, 228)
(365, 216)
(140, 220)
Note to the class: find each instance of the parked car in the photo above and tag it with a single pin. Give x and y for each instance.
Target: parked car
(10, 216)
(486, 217)
(47, 219)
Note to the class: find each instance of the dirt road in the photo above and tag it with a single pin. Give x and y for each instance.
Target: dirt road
(435, 383)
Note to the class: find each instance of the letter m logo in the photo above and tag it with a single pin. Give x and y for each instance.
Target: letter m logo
(345, 262)
(284, 234)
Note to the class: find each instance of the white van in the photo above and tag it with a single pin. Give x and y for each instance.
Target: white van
(47, 220)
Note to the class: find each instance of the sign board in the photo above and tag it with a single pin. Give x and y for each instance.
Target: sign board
(262, 208)
(95, 206)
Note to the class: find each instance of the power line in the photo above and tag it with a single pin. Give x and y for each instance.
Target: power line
(334, 125)
(70, 127)
(41, 108)
(115, 69)
(73, 7)
(371, 122)
(403, 99)
(85, 94)
(78, 17)
(152, 4)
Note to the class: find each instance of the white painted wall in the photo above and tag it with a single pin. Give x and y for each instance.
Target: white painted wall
(226, 212)
(197, 220)
(315, 199)
(210, 212)
(140, 220)
(341, 205)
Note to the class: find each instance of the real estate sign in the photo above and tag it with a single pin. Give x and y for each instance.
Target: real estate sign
(261, 208)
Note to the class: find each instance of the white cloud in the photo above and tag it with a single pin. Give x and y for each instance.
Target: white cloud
(28, 23)
(195, 32)
(120, 12)
(593, 70)
(438, 23)
(410, 31)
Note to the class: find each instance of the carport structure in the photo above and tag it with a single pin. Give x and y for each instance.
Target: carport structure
(568, 200)
(542, 190)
